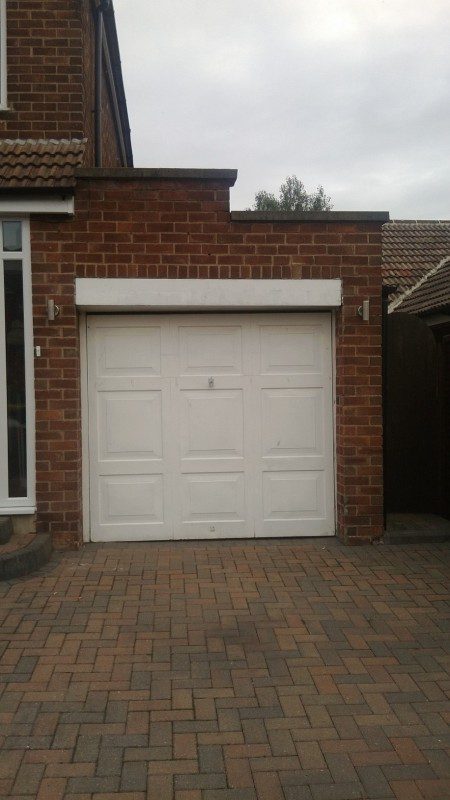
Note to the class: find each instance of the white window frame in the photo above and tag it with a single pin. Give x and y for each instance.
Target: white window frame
(3, 59)
(18, 505)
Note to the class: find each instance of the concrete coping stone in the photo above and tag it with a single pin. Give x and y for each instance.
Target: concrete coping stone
(310, 216)
(172, 174)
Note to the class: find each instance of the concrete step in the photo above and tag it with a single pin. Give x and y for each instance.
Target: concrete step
(416, 529)
(24, 553)
(6, 529)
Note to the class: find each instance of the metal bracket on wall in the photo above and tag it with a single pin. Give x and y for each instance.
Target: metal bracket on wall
(53, 310)
(364, 311)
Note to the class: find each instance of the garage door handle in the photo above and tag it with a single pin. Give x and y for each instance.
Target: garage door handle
(211, 383)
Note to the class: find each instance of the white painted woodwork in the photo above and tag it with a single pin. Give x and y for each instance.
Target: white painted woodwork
(148, 294)
(18, 505)
(13, 205)
(210, 426)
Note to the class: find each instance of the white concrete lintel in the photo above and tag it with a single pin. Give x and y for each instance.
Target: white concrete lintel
(11, 511)
(44, 204)
(142, 294)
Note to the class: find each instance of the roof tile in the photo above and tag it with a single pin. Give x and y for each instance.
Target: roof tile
(411, 248)
(432, 293)
(40, 163)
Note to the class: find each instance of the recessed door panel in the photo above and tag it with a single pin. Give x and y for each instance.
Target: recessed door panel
(213, 497)
(210, 350)
(211, 424)
(130, 425)
(293, 495)
(290, 350)
(129, 351)
(291, 422)
(131, 499)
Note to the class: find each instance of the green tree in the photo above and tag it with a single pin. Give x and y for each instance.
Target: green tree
(293, 197)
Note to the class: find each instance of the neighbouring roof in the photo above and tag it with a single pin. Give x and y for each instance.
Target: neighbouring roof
(431, 293)
(40, 163)
(411, 248)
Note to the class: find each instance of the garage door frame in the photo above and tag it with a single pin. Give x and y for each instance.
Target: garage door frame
(84, 312)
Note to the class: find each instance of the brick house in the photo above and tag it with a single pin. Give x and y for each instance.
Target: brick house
(208, 374)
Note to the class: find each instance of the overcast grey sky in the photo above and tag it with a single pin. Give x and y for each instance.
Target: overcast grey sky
(353, 94)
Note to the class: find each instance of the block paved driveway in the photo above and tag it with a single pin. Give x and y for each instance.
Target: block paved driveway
(281, 670)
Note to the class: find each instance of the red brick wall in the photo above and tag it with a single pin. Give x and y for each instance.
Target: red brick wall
(45, 70)
(168, 229)
(51, 76)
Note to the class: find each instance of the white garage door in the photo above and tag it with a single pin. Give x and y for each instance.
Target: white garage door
(210, 426)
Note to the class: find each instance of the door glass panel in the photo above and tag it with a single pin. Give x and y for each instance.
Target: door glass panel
(15, 378)
(12, 236)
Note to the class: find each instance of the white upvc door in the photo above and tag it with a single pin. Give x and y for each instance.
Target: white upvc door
(210, 426)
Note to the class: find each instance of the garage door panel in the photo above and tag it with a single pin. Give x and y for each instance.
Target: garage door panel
(290, 350)
(211, 424)
(131, 467)
(283, 463)
(208, 350)
(128, 351)
(291, 382)
(131, 499)
(292, 422)
(134, 384)
(131, 425)
(213, 497)
(293, 495)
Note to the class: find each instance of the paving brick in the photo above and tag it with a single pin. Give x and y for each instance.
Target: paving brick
(268, 786)
(185, 745)
(133, 777)
(310, 755)
(254, 731)
(239, 773)
(374, 782)
(87, 748)
(160, 787)
(229, 794)
(210, 758)
(408, 751)
(28, 779)
(109, 760)
(338, 791)
(297, 793)
(52, 789)
(281, 743)
(406, 790)
(211, 780)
